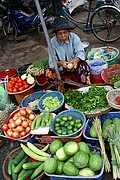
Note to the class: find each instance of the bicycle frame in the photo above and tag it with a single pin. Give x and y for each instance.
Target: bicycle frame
(85, 26)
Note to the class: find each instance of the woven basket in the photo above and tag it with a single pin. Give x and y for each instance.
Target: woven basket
(111, 96)
(11, 155)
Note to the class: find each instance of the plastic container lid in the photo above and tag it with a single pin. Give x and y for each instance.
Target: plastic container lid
(8, 72)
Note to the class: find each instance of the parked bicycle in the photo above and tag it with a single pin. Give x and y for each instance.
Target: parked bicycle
(103, 22)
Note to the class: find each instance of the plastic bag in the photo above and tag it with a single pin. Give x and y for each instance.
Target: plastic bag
(4, 98)
(96, 66)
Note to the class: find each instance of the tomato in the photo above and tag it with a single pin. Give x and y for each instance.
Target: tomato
(25, 82)
(20, 84)
(10, 85)
(21, 88)
(20, 80)
(10, 89)
(15, 90)
(26, 86)
(13, 82)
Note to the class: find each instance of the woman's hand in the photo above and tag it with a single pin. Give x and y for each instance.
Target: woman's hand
(75, 62)
(63, 64)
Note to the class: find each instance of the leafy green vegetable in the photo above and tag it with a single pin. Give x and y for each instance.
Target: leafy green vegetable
(94, 99)
(50, 103)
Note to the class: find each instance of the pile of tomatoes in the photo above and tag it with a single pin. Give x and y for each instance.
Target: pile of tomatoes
(16, 84)
(19, 124)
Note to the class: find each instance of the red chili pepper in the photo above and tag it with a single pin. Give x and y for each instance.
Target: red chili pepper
(118, 99)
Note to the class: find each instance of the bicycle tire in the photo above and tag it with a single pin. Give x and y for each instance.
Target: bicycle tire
(105, 23)
(9, 29)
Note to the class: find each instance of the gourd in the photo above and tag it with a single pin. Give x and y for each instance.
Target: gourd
(70, 169)
(50, 165)
(95, 162)
(81, 159)
(55, 145)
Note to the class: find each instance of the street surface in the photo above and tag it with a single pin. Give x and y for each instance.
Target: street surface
(14, 54)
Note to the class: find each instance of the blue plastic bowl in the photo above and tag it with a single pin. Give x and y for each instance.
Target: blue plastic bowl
(57, 94)
(31, 97)
(88, 124)
(75, 114)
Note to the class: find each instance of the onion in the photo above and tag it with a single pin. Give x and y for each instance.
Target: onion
(22, 118)
(18, 114)
(4, 127)
(15, 135)
(24, 124)
(27, 130)
(18, 122)
(23, 112)
(23, 133)
(12, 125)
(31, 117)
(9, 132)
(15, 117)
(19, 129)
(29, 111)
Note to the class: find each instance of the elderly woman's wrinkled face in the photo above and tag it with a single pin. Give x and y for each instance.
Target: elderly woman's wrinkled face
(63, 35)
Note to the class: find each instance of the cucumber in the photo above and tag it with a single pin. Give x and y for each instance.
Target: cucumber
(49, 120)
(39, 121)
(10, 166)
(14, 176)
(19, 166)
(37, 150)
(32, 154)
(37, 171)
(31, 165)
(26, 175)
(22, 172)
(19, 157)
(45, 148)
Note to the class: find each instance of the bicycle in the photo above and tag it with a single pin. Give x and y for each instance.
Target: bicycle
(104, 22)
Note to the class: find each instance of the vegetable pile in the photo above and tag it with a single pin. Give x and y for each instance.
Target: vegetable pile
(94, 99)
(51, 103)
(42, 120)
(73, 159)
(28, 162)
(19, 125)
(38, 68)
(16, 84)
(67, 125)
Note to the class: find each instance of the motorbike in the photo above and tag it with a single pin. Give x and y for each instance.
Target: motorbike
(3, 11)
(19, 22)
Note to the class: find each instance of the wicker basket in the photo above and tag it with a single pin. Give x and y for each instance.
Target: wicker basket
(11, 155)
(111, 98)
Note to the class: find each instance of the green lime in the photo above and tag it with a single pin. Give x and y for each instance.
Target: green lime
(70, 131)
(57, 128)
(64, 118)
(59, 131)
(66, 124)
(72, 123)
(57, 120)
(78, 125)
(75, 129)
(56, 124)
(78, 121)
(70, 118)
(62, 123)
(64, 133)
(69, 127)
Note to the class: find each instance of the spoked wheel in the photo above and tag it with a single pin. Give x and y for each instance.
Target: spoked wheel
(9, 29)
(105, 24)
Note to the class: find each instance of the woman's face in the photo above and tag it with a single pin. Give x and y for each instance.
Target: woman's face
(63, 35)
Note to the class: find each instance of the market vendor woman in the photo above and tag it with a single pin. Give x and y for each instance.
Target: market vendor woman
(69, 53)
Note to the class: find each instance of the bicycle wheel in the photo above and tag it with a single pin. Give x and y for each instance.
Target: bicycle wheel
(9, 29)
(105, 23)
